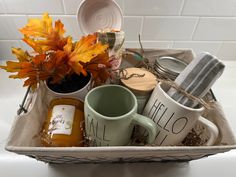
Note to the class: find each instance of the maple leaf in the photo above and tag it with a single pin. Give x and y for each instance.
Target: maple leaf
(58, 65)
(42, 36)
(38, 27)
(56, 56)
(84, 51)
(40, 68)
(99, 68)
(21, 55)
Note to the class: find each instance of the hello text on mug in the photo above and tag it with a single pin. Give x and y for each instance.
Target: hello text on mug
(166, 120)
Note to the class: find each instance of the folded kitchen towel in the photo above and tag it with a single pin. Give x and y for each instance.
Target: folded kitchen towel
(197, 78)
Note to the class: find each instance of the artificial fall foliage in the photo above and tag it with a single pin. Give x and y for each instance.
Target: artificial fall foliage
(56, 56)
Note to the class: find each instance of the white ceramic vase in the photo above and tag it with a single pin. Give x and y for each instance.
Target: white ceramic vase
(80, 93)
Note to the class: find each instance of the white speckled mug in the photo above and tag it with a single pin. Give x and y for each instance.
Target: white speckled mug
(173, 119)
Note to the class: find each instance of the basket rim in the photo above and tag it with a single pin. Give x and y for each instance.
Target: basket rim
(120, 148)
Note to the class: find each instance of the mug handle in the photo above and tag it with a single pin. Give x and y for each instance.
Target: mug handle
(214, 131)
(148, 124)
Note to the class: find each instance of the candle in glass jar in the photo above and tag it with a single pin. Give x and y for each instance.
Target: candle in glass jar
(64, 123)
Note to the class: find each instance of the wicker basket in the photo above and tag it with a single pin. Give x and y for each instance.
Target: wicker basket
(24, 136)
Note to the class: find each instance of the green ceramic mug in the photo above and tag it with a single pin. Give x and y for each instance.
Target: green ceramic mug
(111, 114)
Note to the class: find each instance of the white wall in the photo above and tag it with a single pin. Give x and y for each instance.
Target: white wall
(203, 25)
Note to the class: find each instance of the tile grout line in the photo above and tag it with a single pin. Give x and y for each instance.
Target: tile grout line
(172, 44)
(182, 7)
(141, 28)
(150, 16)
(194, 29)
(64, 7)
(10, 40)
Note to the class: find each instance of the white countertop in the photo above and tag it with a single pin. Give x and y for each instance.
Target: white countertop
(13, 165)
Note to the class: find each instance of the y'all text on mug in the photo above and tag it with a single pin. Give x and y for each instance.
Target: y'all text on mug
(167, 120)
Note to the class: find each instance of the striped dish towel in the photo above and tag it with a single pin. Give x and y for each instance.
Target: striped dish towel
(197, 78)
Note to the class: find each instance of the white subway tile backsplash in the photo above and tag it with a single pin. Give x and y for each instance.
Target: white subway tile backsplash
(216, 29)
(210, 8)
(168, 28)
(34, 6)
(5, 49)
(2, 7)
(154, 7)
(132, 28)
(131, 44)
(199, 46)
(202, 25)
(71, 6)
(156, 44)
(148, 44)
(10, 25)
(227, 51)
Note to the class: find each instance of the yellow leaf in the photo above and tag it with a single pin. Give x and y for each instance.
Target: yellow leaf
(32, 43)
(68, 47)
(86, 49)
(59, 28)
(12, 66)
(21, 55)
(42, 36)
(38, 27)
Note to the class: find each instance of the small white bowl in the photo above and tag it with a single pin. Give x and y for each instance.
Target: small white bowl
(94, 15)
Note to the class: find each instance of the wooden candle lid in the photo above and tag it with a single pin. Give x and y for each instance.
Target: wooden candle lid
(141, 85)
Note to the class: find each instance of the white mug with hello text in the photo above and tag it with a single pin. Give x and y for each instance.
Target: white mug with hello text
(173, 119)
